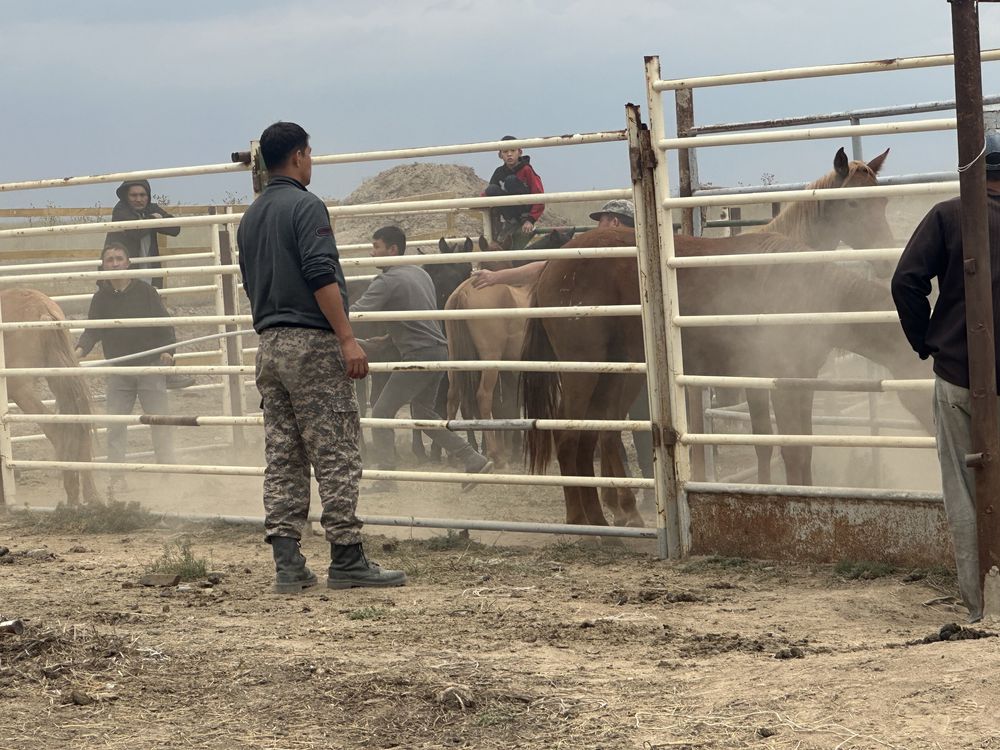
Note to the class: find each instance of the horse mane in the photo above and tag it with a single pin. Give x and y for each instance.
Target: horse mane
(796, 219)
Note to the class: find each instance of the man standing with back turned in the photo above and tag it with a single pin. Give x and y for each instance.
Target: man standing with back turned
(306, 359)
(935, 250)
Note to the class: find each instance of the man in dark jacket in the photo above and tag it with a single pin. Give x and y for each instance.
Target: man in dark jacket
(515, 176)
(134, 203)
(935, 251)
(130, 298)
(306, 359)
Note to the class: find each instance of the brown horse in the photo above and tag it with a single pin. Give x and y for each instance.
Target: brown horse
(490, 340)
(766, 351)
(50, 347)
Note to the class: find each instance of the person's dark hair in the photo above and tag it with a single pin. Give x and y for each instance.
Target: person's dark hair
(114, 245)
(509, 138)
(391, 236)
(279, 141)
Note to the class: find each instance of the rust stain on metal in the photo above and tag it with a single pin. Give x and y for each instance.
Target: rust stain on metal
(819, 529)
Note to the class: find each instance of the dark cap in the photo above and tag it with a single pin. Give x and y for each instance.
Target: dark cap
(993, 151)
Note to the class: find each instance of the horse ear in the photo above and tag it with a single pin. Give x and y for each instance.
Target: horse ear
(443, 246)
(468, 245)
(508, 242)
(483, 244)
(841, 164)
(876, 164)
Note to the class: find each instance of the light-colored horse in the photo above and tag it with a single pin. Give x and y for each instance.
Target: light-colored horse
(51, 347)
(486, 339)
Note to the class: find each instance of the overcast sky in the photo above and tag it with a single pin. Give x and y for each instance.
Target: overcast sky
(111, 86)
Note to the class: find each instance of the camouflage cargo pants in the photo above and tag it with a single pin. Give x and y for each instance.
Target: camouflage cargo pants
(310, 419)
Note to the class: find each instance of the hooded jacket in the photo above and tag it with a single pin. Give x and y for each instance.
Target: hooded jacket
(935, 251)
(529, 178)
(140, 243)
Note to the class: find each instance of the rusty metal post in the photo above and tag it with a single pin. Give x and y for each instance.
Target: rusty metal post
(684, 107)
(978, 281)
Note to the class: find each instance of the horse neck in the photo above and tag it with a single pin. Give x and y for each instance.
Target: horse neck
(802, 222)
(882, 343)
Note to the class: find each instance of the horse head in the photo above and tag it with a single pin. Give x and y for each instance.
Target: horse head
(447, 276)
(857, 222)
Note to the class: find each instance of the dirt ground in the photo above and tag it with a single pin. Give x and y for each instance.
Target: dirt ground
(493, 644)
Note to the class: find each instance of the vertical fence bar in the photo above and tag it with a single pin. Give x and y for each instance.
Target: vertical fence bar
(236, 286)
(641, 156)
(229, 348)
(8, 490)
(215, 245)
(675, 366)
(857, 153)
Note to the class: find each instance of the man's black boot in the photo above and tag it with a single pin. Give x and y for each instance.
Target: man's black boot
(349, 568)
(291, 573)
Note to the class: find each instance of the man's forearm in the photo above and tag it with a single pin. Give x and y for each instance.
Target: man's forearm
(332, 305)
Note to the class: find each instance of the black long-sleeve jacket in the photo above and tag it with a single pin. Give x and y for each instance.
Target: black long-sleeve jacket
(935, 251)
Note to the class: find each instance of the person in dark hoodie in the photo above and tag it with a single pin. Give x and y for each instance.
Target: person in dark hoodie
(134, 203)
(130, 298)
(515, 176)
(935, 252)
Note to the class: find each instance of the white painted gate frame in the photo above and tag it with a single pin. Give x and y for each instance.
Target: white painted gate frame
(675, 380)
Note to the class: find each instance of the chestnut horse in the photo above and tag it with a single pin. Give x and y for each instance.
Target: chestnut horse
(51, 347)
(821, 225)
(765, 351)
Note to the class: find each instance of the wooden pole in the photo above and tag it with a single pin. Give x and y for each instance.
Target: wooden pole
(985, 458)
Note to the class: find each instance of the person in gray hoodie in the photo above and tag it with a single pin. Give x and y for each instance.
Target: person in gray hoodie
(134, 203)
(410, 288)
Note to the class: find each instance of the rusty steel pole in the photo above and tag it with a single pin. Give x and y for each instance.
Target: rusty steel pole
(684, 106)
(985, 458)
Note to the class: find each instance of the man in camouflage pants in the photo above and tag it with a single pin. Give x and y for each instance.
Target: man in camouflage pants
(305, 362)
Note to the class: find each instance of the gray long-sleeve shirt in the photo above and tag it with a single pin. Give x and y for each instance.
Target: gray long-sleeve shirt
(404, 288)
(287, 253)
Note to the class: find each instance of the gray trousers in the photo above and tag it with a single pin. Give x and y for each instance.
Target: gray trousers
(953, 418)
(419, 390)
(151, 390)
(310, 420)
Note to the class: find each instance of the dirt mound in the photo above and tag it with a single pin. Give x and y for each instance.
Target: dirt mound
(420, 181)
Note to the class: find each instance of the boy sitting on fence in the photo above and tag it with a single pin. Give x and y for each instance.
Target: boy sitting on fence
(514, 177)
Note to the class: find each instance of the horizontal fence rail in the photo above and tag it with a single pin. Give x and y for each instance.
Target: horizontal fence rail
(816, 71)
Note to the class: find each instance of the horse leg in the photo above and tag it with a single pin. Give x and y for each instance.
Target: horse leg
(759, 405)
(621, 500)
(788, 411)
(575, 452)
(505, 407)
(23, 394)
(484, 398)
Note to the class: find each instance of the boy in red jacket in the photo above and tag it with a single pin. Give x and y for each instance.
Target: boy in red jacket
(514, 177)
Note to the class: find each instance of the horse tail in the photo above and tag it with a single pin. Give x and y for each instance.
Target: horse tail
(539, 394)
(462, 347)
